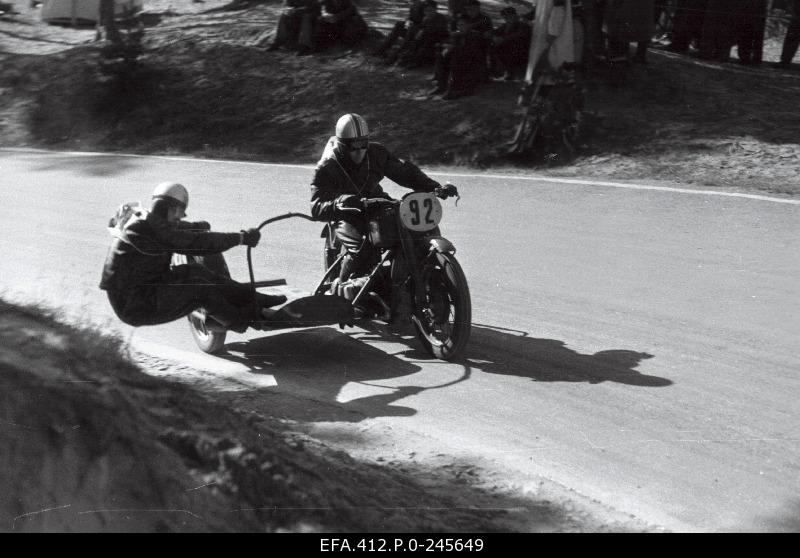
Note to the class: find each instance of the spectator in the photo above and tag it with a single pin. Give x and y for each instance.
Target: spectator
(402, 30)
(461, 62)
(718, 35)
(341, 23)
(454, 9)
(628, 21)
(420, 49)
(296, 25)
(553, 42)
(687, 25)
(508, 52)
(751, 19)
(792, 39)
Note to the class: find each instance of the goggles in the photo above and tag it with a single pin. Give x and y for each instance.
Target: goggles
(355, 145)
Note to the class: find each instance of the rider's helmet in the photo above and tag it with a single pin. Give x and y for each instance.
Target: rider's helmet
(172, 192)
(352, 128)
(352, 132)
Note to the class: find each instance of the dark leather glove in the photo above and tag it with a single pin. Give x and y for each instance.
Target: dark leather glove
(250, 237)
(446, 191)
(348, 205)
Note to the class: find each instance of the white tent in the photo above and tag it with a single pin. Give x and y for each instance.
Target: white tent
(82, 10)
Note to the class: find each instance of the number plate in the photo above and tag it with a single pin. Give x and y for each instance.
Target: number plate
(420, 211)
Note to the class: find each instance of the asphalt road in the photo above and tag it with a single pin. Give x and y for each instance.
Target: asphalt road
(635, 346)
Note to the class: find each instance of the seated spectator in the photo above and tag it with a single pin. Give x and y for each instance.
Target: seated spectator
(419, 49)
(511, 41)
(461, 62)
(341, 23)
(296, 25)
(402, 30)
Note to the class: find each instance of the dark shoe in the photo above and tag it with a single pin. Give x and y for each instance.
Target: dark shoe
(304, 51)
(438, 90)
(273, 46)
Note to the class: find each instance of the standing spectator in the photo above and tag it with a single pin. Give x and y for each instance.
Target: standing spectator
(628, 21)
(420, 49)
(553, 43)
(719, 33)
(454, 9)
(751, 19)
(511, 41)
(340, 23)
(296, 25)
(461, 62)
(687, 25)
(402, 30)
(792, 39)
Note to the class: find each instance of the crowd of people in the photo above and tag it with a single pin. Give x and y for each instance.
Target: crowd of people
(708, 28)
(464, 48)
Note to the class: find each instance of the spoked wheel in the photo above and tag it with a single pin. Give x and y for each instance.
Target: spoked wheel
(444, 321)
(209, 341)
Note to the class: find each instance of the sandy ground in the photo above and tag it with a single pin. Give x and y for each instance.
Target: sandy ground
(209, 88)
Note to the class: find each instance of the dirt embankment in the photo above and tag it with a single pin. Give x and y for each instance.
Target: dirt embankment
(89, 442)
(210, 88)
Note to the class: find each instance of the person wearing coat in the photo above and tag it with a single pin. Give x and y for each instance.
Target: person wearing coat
(143, 286)
(340, 22)
(296, 25)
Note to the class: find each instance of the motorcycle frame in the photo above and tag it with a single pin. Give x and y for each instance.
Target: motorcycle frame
(406, 247)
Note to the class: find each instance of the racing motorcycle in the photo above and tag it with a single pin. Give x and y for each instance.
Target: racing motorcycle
(414, 279)
(414, 275)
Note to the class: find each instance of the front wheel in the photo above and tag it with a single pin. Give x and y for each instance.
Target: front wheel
(444, 319)
(208, 340)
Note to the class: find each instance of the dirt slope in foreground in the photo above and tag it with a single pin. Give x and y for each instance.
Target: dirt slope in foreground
(211, 89)
(91, 443)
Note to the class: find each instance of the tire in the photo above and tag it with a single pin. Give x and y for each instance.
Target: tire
(208, 341)
(444, 322)
(330, 252)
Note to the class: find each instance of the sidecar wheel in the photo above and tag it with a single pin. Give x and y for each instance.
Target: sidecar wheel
(444, 322)
(207, 340)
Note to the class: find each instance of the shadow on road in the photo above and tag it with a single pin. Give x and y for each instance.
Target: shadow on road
(498, 350)
(313, 365)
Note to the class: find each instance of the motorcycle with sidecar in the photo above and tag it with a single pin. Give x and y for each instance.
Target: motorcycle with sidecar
(413, 279)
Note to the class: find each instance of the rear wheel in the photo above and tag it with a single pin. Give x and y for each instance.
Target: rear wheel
(444, 320)
(208, 340)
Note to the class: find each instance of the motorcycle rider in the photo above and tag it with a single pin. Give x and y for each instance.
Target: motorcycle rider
(144, 289)
(350, 172)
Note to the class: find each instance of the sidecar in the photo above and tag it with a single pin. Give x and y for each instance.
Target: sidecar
(305, 311)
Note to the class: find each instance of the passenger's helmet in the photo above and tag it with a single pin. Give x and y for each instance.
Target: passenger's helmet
(351, 127)
(173, 192)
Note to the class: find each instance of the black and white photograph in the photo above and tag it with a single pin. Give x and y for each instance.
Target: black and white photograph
(399, 275)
